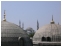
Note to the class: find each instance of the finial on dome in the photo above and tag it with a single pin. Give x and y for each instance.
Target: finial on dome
(4, 16)
(52, 22)
(52, 17)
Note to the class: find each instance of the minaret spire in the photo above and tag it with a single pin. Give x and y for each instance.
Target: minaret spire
(58, 23)
(19, 23)
(4, 16)
(52, 22)
(37, 25)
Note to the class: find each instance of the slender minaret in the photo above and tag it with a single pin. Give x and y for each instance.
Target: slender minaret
(37, 25)
(19, 23)
(4, 16)
(22, 25)
(58, 23)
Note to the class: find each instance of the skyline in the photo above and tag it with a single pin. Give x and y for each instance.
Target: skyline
(29, 12)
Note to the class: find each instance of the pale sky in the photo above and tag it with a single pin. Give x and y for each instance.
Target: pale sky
(28, 12)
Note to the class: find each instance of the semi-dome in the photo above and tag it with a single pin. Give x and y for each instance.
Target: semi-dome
(11, 30)
(50, 32)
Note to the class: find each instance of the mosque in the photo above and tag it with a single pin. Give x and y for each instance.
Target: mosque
(48, 35)
(14, 35)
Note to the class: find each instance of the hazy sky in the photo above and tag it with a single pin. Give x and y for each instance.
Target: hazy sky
(29, 12)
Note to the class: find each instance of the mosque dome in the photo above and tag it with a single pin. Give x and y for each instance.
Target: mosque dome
(50, 32)
(11, 30)
(29, 28)
(12, 34)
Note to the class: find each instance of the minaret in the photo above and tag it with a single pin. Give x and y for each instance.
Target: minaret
(37, 25)
(52, 22)
(19, 23)
(58, 23)
(4, 16)
(22, 25)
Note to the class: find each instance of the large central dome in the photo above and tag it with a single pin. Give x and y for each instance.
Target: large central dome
(12, 34)
(11, 30)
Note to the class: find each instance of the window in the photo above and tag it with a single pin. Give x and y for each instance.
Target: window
(48, 39)
(43, 39)
(21, 42)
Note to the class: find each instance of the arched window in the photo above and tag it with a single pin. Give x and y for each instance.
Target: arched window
(21, 41)
(48, 39)
(43, 39)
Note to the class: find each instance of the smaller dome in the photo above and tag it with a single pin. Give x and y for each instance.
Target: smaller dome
(50, 32)
(29, 28)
